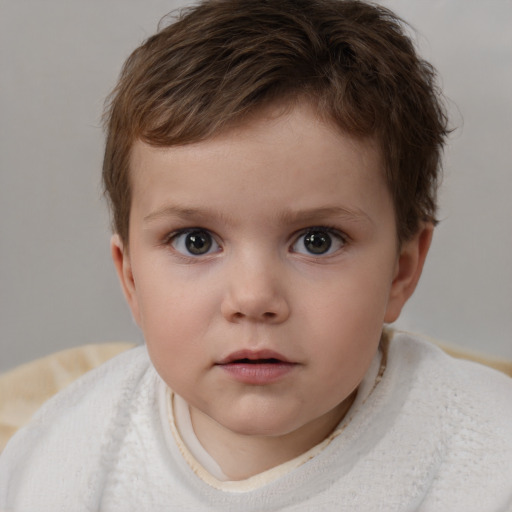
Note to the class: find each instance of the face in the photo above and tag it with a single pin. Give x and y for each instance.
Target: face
(261, 266)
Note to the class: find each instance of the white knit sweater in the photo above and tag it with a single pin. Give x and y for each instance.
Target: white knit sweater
(434, 435)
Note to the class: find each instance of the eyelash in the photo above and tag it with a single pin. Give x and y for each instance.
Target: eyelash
(334, 234)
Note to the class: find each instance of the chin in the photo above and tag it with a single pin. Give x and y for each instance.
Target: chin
(262, 425)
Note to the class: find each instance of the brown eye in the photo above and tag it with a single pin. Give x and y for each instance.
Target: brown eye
(318, 242)
(198, 242)
(194, 242)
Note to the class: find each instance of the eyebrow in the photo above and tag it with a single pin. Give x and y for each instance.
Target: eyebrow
(311, 215)
(185, 213)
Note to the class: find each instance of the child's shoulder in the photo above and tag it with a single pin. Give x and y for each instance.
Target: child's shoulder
(465, 384)
(431, 359)
(462, 408)
(103, 386)
(85, 417)
(455, 416)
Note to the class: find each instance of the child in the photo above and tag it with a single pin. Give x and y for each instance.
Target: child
(272, 168)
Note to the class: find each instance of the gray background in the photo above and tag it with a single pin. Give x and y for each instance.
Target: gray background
(58, 61)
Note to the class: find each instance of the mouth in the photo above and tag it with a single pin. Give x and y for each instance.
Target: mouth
(246, 360)
(254, 357)
(256, 367)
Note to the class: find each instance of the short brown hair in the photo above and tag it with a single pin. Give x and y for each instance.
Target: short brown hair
(223, 59)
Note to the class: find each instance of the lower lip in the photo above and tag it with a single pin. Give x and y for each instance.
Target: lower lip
(258, 374)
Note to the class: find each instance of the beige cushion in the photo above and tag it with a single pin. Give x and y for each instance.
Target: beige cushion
(499, 364)
(25, 388)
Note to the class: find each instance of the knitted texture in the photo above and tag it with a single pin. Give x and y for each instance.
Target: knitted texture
(434, 434)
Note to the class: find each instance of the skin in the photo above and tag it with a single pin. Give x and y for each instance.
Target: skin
(258, 189)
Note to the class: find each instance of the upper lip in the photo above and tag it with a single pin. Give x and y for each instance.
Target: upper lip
(254, 355)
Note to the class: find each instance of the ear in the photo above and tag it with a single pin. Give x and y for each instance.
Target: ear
(409, 266)
(123, 266)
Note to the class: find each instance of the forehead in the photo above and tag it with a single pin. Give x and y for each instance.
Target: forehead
(297, 121)
(288, 154)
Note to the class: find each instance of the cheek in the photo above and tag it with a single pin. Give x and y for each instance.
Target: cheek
(172, 320)
(345, 319)
(169, 297)
(348, 348)
(173, 338)
(176, 316)
(355, 298)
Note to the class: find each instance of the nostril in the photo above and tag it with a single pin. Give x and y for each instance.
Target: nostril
(267, 316)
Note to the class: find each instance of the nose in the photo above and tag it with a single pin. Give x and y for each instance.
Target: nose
(255, 293)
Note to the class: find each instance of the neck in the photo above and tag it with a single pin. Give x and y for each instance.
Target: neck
(241, 456)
